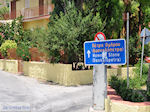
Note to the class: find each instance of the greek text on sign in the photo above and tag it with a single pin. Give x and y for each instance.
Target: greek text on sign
(105, 52)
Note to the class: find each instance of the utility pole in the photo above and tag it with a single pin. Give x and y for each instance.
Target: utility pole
(127, 49)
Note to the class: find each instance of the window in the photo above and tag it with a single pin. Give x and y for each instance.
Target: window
(27, 3)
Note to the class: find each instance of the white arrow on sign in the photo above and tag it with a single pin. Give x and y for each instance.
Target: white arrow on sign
(88, 52)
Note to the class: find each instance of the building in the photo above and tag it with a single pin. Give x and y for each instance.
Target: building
(35, 12)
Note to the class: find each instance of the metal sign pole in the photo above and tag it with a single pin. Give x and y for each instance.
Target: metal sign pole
(142, 52)
(127, 49)
(99, 82)
(99, 87)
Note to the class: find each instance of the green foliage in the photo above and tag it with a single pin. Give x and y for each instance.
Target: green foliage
(69, 31)
(137, 69)
(144, 10)
(111, 10)
(8, 44)
(128, 94)
(146, 15)
(3, 11)
(134, 52)
(13, 31)
(136, 82)
(23, 51)
(1, 38)
(148, 89)
(59, 7)
(134, 8)
(39, 38)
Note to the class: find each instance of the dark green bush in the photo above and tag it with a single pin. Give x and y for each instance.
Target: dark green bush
(128, 94)
(68, 31)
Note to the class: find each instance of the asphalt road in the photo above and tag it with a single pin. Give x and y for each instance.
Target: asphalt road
(44, 97)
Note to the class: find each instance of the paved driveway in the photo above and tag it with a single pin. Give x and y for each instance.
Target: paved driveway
(44, 97)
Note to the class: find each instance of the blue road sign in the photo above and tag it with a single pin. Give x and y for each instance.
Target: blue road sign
(106, 52)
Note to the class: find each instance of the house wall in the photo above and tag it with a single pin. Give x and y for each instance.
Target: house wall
(34, 3)
(32, 23)
(20, 4)
(36, 23)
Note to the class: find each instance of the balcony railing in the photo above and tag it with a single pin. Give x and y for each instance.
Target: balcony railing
(36, 11)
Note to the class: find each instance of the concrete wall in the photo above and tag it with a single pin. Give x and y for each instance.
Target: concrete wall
(9, 65)
(2, 64)
(58, 73)
(115, 103)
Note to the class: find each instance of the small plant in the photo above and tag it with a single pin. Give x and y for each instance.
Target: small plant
(23, 52)
(8, 44)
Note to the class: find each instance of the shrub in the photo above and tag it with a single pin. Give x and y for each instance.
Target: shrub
(8, 44)
(137, 82)
(39, 38)
(13, 31)
(68, 32)
(23, 52)
(128, 94)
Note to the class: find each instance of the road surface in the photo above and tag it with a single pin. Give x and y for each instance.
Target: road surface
(44, 97)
